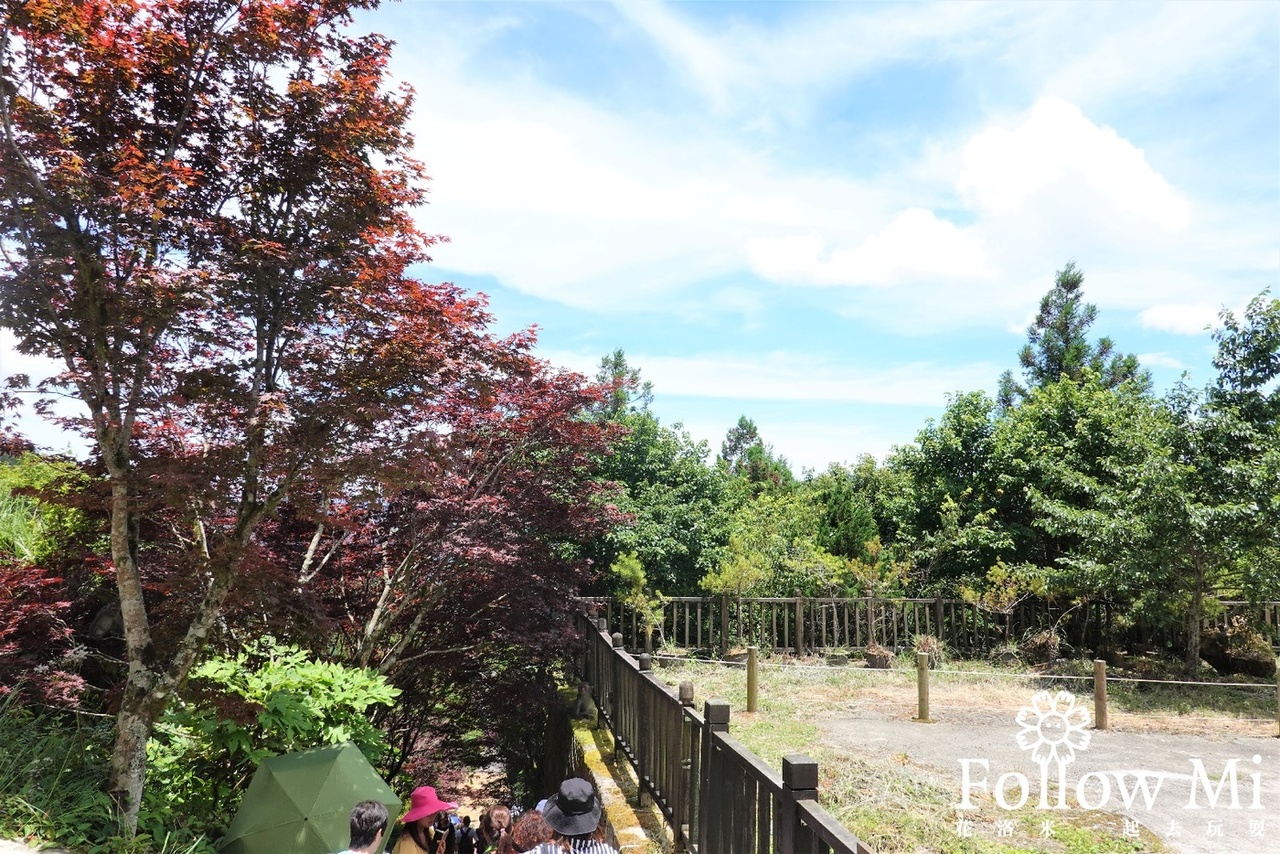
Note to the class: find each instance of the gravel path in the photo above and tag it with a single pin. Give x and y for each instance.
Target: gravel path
(1250, 827)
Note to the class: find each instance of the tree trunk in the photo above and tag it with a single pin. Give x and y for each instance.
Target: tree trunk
(134, 721)
(129, 764)
(1194, 613)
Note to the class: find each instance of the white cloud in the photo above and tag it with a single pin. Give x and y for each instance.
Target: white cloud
(1056, 153)
(1161, 360)
(790, 376)
(1180, 319)
(782, 66)
(915, 243)
(1153, 50)
(559, 199)
(570, 199)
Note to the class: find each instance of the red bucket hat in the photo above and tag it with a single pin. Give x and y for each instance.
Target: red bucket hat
(424, 802)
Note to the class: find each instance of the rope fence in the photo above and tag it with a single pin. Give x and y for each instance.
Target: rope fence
(924, 675)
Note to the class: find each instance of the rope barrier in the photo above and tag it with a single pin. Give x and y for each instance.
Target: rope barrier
(1137, 715)
(910, 672)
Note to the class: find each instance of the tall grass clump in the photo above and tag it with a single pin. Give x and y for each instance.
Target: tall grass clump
(53, 776)
(53, 770)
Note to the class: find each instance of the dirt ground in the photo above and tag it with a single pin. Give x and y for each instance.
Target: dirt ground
(1185, 823)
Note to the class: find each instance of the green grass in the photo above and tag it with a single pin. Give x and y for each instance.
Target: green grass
(53, 772)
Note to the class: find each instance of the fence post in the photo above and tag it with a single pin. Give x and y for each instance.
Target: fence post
(1099, 693)
(615, 695)
(753, 677)
(644, 733)
(603, 625)
(799, 783)
(716, 718)
(938, 631)
(724, 626)
(922, 687)
(799, 624)
(685, 803)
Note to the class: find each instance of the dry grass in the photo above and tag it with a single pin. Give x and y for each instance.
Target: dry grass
(897, 805)
(965, 691)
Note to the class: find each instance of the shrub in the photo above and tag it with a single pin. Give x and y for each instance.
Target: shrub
(237, 711)
(1040, 647)
(930, 646)
(879, 657)
(1238, 648)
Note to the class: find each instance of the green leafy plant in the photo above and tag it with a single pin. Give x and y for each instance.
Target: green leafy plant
(269, 699)
(649, 607)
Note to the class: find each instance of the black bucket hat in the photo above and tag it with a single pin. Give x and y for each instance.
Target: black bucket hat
(574, 810)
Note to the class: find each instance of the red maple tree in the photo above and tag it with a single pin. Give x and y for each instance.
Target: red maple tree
(206, 220)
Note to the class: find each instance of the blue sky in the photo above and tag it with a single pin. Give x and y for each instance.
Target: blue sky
(828, 216)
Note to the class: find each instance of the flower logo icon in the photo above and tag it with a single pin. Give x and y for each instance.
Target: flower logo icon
(1053, 728)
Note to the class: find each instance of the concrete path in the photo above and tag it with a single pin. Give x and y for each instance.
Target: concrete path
(1188, 806)
(9, 846)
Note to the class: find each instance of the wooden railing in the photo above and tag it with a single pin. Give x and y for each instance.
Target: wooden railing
(717, 797)
(719, 624)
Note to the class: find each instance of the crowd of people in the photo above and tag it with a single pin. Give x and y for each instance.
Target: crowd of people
(568, 821)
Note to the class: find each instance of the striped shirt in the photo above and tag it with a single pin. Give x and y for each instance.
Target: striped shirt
(577, 846)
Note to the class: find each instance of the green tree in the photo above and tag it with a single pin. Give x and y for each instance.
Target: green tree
(677, 505)
(845, 521)
(1070, 446)
(773, 551)
(947, 498)
(1058, 346)
(628, 393)
(744, 455)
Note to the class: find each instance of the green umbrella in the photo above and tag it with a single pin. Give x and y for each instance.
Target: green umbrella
(300, 803)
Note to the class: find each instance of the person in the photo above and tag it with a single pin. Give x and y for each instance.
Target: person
(468, 842)
(527, 832)
(368, 825)
(574, 814)
(494, 824)
(417, 835)
(443, 838)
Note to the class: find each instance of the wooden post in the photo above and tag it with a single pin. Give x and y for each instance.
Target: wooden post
(685, 803)
(724, 626)
(716, 714)
(753, 677)
(799, 783)
(615, 690)
(922, 687)
(603, 625)
(799, 624)
(644, 734)
(712, 811)
(1099, 694)
(938, 631)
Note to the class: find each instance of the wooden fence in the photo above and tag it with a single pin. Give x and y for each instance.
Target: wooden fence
(720, 624)
(715, 794)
